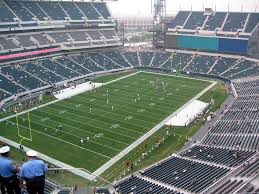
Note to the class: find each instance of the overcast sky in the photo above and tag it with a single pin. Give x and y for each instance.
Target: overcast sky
(142, 8)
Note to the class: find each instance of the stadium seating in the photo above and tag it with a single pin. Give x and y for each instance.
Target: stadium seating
(87, 63)
(57, 11)
(160, 58)
(7, 44)
(226, 21)
(178, 61)
(59, 69)
(117, 58)
(132, 58)
(43, 39)
(21, 77)
(215, 21)
(252, 22)
(146, 58)
(180, 19)
(250, 169)
(229, 187)
(137, 185)
(201, 64)
(19, 10)
(195, 20)
(4, 94)
(235, 21)
(6, 15)
(247, 88)
(245, 142)
(78, 36)
(103, 62)
(9, 85)
(239, 67)
(102, 9)
(222, 65)
(53, 10)
(249, 72)
(42, 73)
(72, 11)
(88, 10)
(34, 8)
(217, 155)
(66, 62)
(185, 174)
(60, 37)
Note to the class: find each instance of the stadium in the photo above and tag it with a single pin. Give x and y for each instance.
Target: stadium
(178, 116)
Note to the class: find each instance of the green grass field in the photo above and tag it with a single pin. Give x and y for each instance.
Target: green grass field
(110, 131)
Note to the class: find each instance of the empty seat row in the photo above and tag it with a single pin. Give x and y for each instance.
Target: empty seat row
(185, 174)
(25, 11)
(222, 156)
(225, 21)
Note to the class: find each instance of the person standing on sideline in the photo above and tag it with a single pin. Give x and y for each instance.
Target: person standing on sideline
(8, 172)
(33, 172)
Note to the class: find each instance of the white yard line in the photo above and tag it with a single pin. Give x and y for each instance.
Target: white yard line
(115, 159)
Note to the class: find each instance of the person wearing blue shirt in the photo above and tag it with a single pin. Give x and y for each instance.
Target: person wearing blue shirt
(8, 172)
(33, 172)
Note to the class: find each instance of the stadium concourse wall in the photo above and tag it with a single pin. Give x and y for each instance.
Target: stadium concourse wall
(207, 43)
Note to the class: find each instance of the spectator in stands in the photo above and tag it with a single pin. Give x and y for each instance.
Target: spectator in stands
(8, 172)
(33, 172)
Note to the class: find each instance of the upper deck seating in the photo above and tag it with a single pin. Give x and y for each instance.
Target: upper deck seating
(235, 21)
(195, 20)
(215, 21)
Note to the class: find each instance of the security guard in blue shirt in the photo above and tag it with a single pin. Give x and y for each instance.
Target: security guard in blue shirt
(8, 172)
(33, 172)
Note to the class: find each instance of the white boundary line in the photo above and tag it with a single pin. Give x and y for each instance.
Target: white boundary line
(124, 152)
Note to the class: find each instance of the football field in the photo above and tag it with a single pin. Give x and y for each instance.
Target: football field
(107, 120)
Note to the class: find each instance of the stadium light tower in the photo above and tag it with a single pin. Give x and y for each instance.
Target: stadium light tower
(159, 14)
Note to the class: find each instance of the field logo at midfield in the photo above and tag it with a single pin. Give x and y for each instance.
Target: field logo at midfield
(29, 127)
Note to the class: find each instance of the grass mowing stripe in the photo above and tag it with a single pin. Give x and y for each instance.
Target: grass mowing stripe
(99, 120)
(126, 105)
(74, 140)
(118, 113)
(103, 115)
(122, 113)
(140, 104)
(102, 138)
(85, 124)
(65, 141)
(52, 128)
